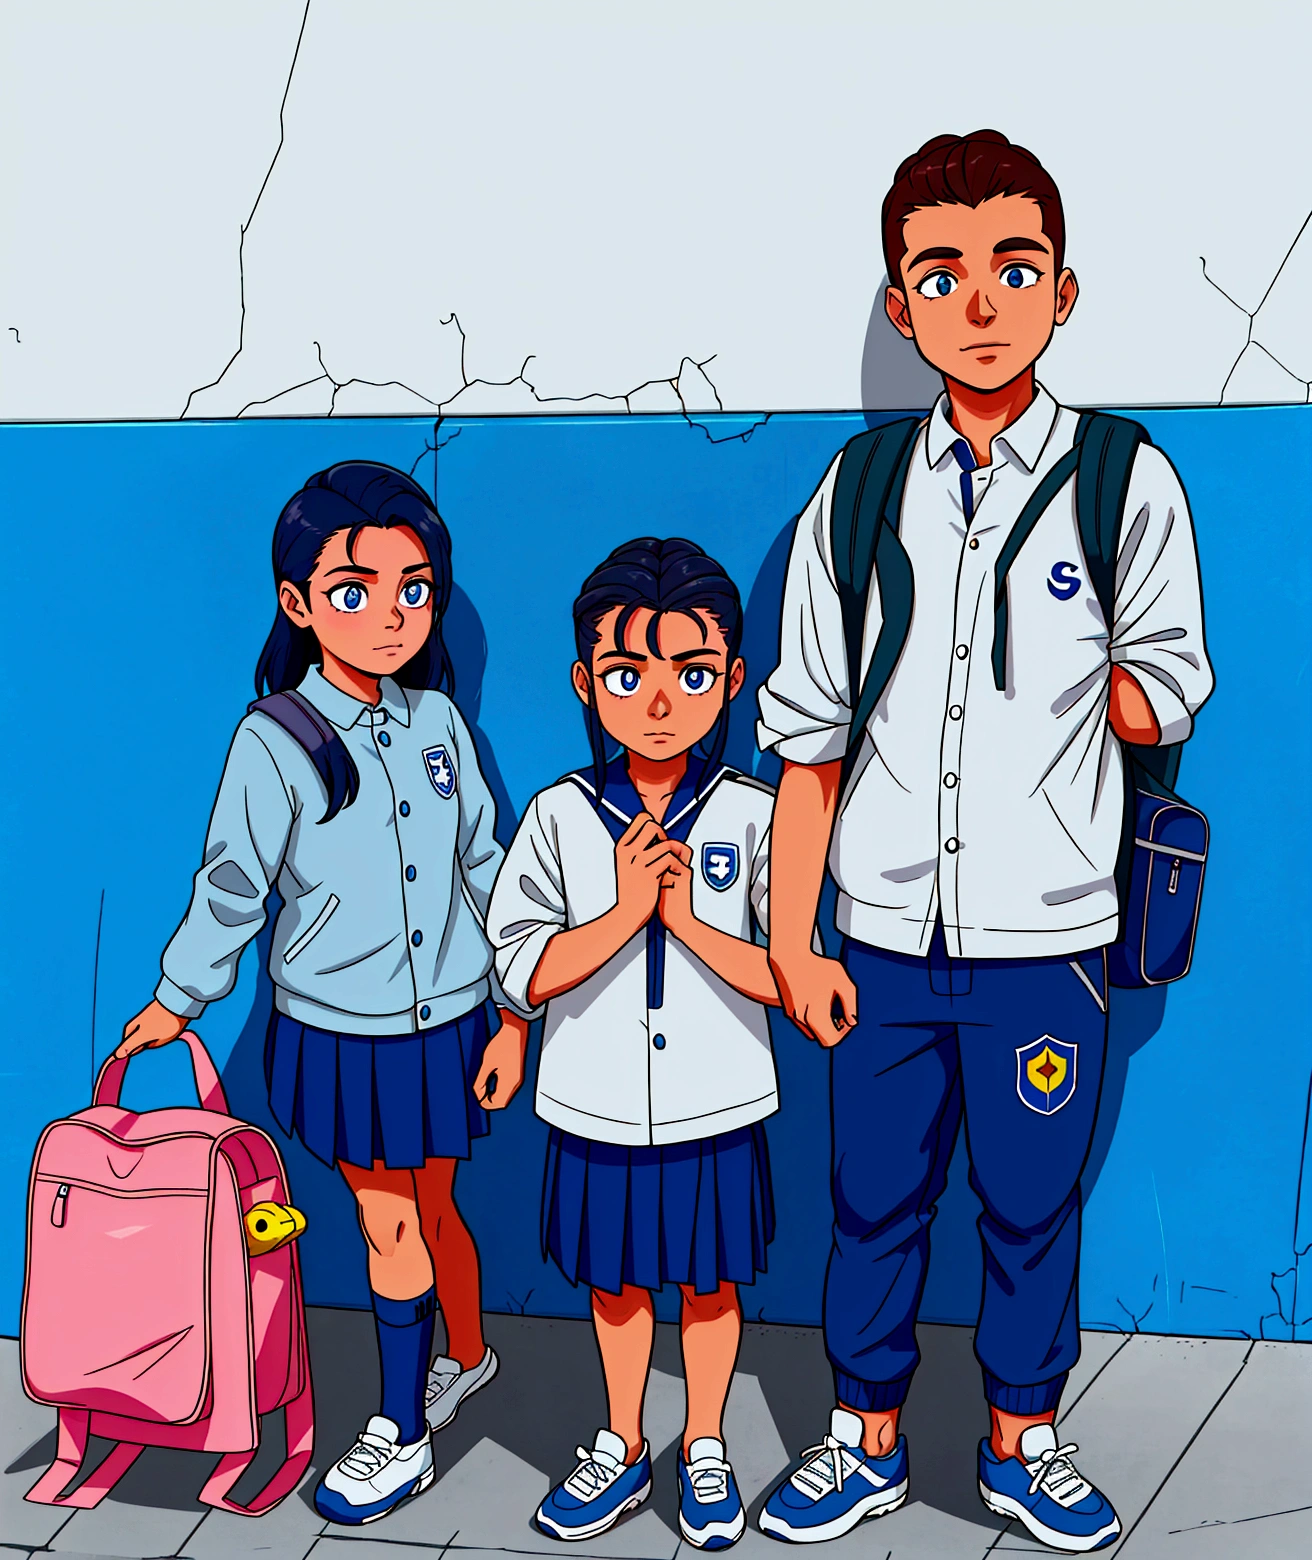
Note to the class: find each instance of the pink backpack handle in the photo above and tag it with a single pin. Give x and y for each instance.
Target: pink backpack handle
(208, 1087)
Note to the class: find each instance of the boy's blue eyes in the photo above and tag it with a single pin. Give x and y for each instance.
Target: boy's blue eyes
(1018, 276)
(942, 284)
(416, 593)
(696, 679)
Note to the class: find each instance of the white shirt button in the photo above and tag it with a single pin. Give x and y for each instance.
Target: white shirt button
(974, 542)
(954, 713)
(962, 652)
(949, 781)
(952, 846)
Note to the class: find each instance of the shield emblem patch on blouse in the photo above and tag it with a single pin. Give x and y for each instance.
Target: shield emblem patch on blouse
(720, 865)
(441, 771)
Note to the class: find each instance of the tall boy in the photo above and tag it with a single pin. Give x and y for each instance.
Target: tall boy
(973, 837)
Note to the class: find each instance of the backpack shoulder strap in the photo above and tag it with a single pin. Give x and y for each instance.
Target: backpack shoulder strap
(864, 512)
(319, 740)
(1102, 485)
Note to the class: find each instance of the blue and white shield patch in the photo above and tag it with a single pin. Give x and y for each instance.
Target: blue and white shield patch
(720, 865)
(1045, 1073)
(441, 771)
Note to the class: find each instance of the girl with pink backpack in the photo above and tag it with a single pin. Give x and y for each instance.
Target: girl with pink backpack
(353, 787)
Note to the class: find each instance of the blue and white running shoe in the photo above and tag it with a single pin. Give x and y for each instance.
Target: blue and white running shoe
(837, 1486)
(1042, 1490)
(711, 1514)
(599, 1491)
(375, 1476)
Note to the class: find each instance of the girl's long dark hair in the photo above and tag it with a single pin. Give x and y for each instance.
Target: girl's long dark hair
(347, 497)
(673, 575)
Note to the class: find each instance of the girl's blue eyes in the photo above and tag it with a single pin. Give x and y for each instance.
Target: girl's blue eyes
(697, 679)
(351, 597)
(354, 597)
(622, 681)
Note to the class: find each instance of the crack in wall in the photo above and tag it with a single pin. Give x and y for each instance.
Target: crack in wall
(1250, 339)
(245, 228)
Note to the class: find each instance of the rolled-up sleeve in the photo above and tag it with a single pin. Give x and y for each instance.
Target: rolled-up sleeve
(244, 850)
(805, 704)
(527, 908)
(1157, 634)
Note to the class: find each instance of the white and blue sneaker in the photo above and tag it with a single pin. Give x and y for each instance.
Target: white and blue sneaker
(1042, 1490)
(711, 1514)
(837, 1486)
(599, 1491)
(375, 1476)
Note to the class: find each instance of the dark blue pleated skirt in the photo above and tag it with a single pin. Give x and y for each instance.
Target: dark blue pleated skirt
(699, 1213)
(361, 1098)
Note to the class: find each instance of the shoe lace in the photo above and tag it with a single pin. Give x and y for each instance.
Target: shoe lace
(442, 1374)
(824, 1467)
(592, 1474)
(1055, 1474)
(709, 1480)
(366, 1457)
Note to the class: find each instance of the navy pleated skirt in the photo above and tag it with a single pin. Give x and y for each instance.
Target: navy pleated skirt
(361, 1098)
(699, 1213)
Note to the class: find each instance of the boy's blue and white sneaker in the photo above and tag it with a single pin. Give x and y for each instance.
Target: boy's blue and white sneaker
(837, 1486)
(375, 1476)
(599, 1491)
(1042, 1490)
(711, 1514)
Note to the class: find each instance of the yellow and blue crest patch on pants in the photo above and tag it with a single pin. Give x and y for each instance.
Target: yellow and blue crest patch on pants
(1045, 1073)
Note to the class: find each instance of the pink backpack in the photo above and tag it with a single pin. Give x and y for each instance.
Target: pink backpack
(144, 1317)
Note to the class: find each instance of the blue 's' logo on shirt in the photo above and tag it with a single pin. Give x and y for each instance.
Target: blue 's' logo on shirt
(1064, 581)
(441, 771)
(720, 865)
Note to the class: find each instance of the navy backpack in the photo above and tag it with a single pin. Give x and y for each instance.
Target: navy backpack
(1159, 870)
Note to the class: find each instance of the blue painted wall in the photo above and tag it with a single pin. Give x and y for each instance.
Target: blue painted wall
(136, 599)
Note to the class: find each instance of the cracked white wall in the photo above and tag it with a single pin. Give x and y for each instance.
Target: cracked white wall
(622, 206)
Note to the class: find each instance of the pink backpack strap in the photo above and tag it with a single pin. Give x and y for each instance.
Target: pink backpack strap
(69, 1456)
(300, 1446)
(208, 1087)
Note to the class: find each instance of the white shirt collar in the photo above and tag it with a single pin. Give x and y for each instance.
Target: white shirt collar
(1023, 441)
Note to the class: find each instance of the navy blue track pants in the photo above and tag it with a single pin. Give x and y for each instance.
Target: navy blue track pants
(1014, 1047)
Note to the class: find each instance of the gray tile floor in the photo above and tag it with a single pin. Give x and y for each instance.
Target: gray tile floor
(1204, 1444)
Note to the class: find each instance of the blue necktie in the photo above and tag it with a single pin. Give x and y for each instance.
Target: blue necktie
(966, 460)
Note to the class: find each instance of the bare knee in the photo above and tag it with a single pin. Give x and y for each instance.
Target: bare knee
(623, 1307)
(709, 1308)
(387, 1221)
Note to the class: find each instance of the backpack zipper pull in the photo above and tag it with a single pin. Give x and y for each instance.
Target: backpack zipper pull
(59, 1209)
(1174, 881)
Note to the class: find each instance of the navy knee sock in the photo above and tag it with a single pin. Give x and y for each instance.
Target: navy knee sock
(405, 1341)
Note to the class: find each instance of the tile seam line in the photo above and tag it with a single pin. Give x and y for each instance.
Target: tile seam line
(1125, 1537)
(1184, 1451)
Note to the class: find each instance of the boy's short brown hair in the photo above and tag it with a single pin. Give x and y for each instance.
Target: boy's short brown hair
(967, 170)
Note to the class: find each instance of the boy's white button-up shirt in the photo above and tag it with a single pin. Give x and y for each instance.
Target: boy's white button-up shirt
(614, 1068)
(999, 811)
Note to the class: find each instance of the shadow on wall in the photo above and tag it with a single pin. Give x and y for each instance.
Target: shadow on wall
(893, 373)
